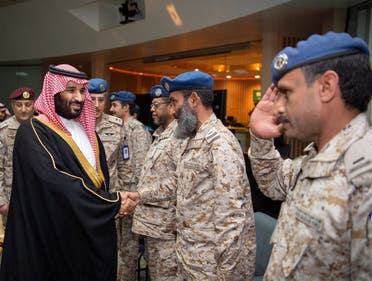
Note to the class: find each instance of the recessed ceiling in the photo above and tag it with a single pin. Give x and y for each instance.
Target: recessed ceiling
(239, 64)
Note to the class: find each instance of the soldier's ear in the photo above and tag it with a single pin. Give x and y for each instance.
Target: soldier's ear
(328, 83)
(194, 99)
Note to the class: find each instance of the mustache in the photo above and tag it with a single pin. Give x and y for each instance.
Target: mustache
(76, 102)
(283, 119)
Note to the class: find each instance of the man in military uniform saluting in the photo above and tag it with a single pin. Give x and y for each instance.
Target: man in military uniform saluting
(110, 130)
(138, 141)
(22, 102)
(320, 94)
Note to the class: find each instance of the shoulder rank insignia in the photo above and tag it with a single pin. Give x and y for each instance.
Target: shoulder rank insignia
(115, 120)
(358, 162)
(212, 135)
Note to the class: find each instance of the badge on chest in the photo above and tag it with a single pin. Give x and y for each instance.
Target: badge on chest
(125, 152)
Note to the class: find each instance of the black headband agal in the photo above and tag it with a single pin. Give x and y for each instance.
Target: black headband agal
(55, 70)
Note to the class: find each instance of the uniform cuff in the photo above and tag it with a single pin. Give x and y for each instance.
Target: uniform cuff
(260, 147)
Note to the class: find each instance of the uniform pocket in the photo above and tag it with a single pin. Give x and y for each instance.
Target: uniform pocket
(297, 246)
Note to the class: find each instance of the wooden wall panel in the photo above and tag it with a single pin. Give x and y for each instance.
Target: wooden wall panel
(239, 97)
(239, 93)
(136, 84)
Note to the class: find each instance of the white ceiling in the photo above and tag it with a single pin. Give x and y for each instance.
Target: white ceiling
(241, 34)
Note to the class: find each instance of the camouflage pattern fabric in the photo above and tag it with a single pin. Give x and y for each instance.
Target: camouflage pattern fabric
(138, 140)
(110, 131)
(157, 220)
(215, 223)
(8, 130)
(324, 229)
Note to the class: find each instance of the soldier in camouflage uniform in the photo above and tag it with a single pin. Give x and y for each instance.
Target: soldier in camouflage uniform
(111, 132)
(4, 112)
(22, 102)
(320, 93)
(157, 220)
(215, 223)
(138, 141)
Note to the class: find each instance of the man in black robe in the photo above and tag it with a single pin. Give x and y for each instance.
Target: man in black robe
(61, 216)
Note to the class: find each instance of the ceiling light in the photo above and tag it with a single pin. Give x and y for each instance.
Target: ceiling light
(174, 15)
(257, 76)
(228, 76)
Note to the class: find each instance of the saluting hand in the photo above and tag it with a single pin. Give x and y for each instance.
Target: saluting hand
(265, 119)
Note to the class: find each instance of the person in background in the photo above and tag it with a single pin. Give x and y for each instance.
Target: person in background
(156, 221)
(320, 93)
(137, 111)
(61, 216)
(137, 114)
(138, 141)
(216, 237)
(4, 112)
(111, 132)
(22, 102)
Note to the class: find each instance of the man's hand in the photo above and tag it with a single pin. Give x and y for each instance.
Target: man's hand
(129, 201)
(4, 209)
(265, 119)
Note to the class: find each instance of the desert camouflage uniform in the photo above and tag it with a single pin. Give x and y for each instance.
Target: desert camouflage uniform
(110, 131)
(8, 130)
(138, 140)
(369, 113)
(215, 225)
(157, 220)
(324, 230)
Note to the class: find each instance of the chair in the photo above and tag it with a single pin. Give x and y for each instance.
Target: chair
(264, 228)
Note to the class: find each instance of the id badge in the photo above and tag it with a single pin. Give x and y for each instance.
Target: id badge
(125, 152)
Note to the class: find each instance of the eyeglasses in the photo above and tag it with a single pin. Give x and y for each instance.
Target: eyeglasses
(157, 104)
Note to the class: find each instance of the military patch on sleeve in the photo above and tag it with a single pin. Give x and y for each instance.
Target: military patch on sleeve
(212, 135)
(125, 152)
(358, 163)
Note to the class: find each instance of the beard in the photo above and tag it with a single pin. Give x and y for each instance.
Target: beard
(63, 107)
(187, 122)
(161, 120)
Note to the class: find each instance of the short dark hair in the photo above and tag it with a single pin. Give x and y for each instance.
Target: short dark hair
(206, 96)
(355, 77)
(131, 106)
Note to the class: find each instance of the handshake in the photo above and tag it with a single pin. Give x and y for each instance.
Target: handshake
(129, 201)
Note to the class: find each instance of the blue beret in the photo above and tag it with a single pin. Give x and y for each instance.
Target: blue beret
(123, 96)
(192, 80)
(158, 91)
(97, 86)
(315, 48)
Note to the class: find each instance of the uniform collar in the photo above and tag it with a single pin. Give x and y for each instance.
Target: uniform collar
(204, 128)
(169, 130)
(340, 142)
(13, 123)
